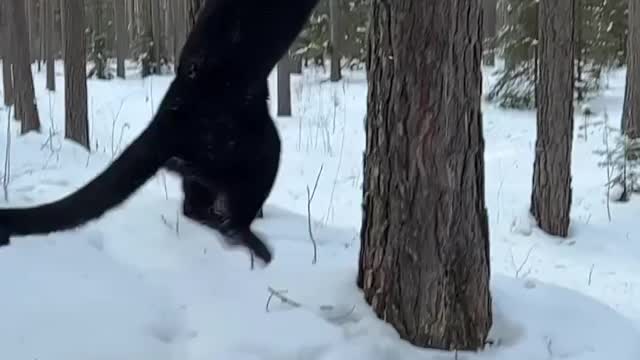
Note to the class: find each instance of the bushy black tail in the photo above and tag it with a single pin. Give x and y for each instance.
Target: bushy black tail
(139, 162)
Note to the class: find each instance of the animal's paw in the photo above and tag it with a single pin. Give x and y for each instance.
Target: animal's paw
(4, 236)
(250, 241)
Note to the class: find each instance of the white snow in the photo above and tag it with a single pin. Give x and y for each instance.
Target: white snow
(145, 283)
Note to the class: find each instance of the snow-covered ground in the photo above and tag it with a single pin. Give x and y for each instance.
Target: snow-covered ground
(145, 283)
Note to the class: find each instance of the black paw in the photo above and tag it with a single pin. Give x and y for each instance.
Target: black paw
(253, 243)
(4, 237)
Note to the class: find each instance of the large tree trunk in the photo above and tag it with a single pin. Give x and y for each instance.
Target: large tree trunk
(75, 74)
(122, 38)
(424, 260)
(551, 191)
(26, 108)
(633, 69)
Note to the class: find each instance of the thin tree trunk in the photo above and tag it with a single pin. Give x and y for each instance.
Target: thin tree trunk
(7, 55)
(284, 86)
(335, 26)
(193, 8)
(156, 31)
(633, 69)
(63, 36)
(624, 118)
(180, 29)
(122, 38)
(168, 29)
(424, 160)
(49, 36)
(42, 33)
(30, 8)
(489, 27)
(75, 75)
(551, 190)
(26, 108)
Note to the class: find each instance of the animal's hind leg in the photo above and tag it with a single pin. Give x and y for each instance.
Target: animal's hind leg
(244, 199)
(212, 207)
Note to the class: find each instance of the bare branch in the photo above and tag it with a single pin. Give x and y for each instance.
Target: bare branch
(310, 195)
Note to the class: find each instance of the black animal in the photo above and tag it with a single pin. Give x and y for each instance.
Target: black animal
(213, 117)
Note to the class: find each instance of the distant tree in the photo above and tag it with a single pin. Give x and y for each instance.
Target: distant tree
(193, 8)
(7, 52)
(122, 38)
(424, 256)
(600, 46)
(515, 87)
(284, 86)
(335, 31)
(25, 99)
(315, 40)
(75, 76)
(551, 191)
(490, 8)
(180, 26)
(48, 35)
(632, 98)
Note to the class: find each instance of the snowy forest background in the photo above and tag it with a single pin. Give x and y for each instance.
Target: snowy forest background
(457, 182)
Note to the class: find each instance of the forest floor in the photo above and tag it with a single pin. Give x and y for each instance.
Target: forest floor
(145, 283)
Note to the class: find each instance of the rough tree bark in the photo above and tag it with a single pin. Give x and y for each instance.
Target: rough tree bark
(26, 108)
(551, 190)
(75, 76)
(122, 38)
(632, 96)
(424, 260)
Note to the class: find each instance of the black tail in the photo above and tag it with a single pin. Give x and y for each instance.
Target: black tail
(233, 42)
(137, 163)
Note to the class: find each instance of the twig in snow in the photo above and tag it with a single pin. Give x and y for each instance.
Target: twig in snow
(286, 300)
(526, 259)
(278, 294)
(310, 195)
(114, 120)
(549, 350)
(591, 274)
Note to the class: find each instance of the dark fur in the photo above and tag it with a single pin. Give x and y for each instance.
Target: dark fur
(214, 117)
